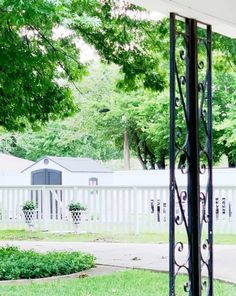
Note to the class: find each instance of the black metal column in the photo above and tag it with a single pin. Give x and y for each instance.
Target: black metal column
(191, 150)
(193, 190)
(172, 156)
(210, 157)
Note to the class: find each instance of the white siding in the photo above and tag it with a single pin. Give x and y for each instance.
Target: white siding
(68, 178)
(221, 177)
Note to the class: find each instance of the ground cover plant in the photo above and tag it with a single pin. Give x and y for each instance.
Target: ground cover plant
(125, 283)
(18, 264)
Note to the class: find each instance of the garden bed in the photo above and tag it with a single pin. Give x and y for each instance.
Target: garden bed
(18, 264)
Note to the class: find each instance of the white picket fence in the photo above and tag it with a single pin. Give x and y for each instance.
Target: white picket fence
(109, 209)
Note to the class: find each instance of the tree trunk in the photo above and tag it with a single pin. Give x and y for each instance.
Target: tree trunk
(142, 159)
(231, 161)
(151, 157)
(161, 164)
(144, 165)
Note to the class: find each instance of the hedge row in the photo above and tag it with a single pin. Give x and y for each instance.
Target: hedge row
(18, 264)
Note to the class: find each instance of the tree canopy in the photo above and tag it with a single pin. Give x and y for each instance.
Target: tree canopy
(38, 70)
(107, 112)
(30, 57)
(33, 60)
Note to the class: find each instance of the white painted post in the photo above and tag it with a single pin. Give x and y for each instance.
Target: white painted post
(136, 209)
(46, 208)
(233, 205)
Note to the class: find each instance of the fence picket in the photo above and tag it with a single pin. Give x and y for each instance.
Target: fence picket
(109, 209)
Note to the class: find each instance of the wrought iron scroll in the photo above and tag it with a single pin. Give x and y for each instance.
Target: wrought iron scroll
(191, 153)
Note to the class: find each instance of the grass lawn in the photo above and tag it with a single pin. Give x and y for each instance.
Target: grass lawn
(90, 237)
(125, 283)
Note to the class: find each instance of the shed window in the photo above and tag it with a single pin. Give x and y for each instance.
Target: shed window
(93, 181)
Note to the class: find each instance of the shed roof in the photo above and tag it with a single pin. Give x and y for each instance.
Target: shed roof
(10, 163)
(77, 164)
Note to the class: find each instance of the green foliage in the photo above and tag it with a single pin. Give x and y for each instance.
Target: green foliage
(123, 34)
(224, 112)
(37, 71)
(224, 49)
(28, 205)
(17, 264)
(36, 66)
(75, 136)
(29, 61)
(143, 114)
(60, 138)
(76, 206)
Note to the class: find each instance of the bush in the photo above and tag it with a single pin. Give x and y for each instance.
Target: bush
(28, 205)
(18, 264)
(76, 206)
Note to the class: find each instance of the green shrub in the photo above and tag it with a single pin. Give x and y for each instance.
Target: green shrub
(18, 264)
(76, 206)
(28, 205)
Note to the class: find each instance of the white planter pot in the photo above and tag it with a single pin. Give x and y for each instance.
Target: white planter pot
(29, 217)
(76, 216)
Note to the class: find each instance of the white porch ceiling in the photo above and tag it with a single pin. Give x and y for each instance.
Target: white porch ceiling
(220, 14)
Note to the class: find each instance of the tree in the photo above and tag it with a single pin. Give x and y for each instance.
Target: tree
(60, 138)
(142, 114)
(109, 113)
(224, 111)
(99, 135)
(123, 34)
(32, 60)
(31, 91)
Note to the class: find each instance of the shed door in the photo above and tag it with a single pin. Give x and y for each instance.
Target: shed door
(46, 177)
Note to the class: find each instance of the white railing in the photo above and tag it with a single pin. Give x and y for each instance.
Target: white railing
(109, 209)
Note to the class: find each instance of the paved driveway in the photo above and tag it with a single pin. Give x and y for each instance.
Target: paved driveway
(148, 256)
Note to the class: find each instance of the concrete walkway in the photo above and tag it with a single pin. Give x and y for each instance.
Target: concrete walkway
(147, 256)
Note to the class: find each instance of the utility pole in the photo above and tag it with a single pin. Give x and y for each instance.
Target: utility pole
(126, 151)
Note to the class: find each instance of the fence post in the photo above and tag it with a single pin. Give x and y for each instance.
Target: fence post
(75, 194)
(232, 191)
(136, 210)
(46, 208)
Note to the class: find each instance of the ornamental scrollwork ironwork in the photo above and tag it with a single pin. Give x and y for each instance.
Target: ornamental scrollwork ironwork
(180, 157)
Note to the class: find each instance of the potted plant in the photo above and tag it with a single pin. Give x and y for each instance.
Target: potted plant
(76, 210)
(28, 209)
